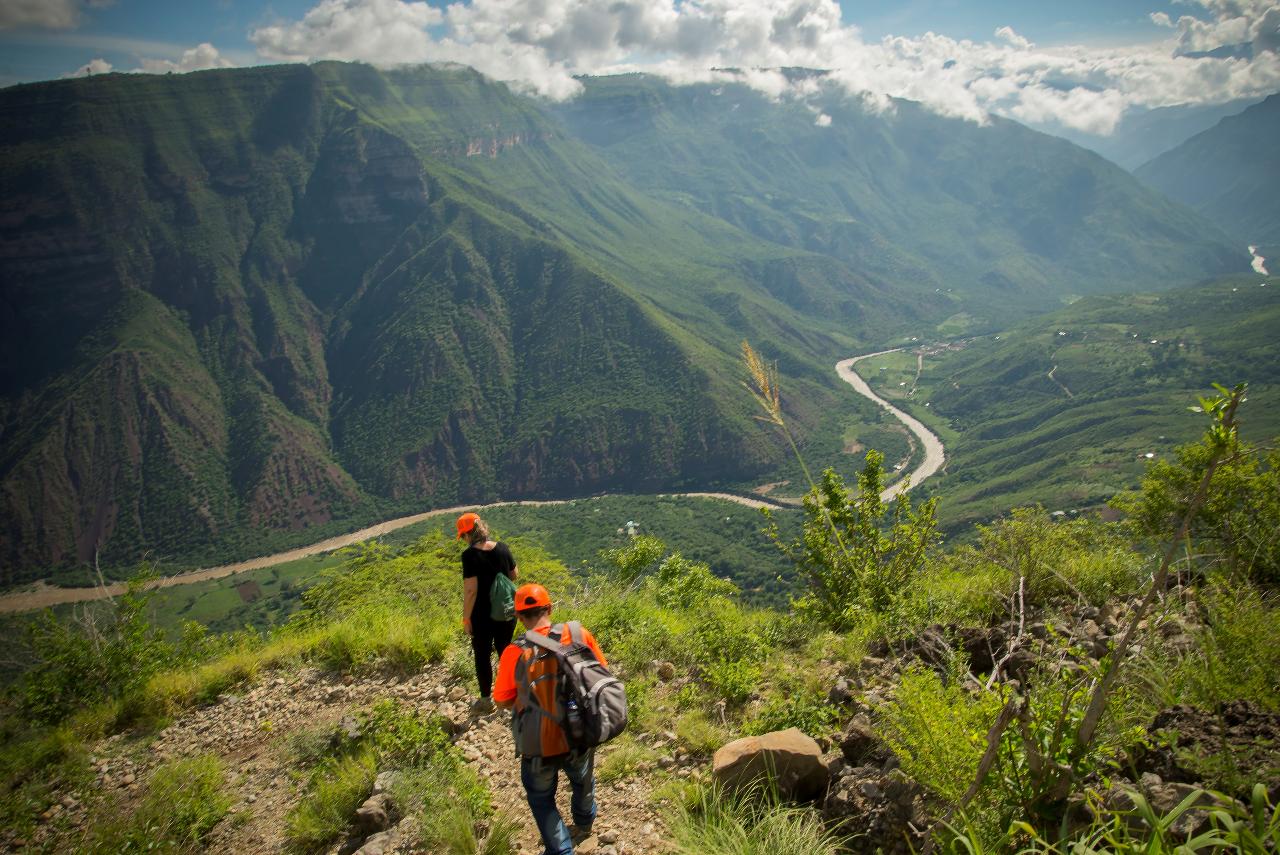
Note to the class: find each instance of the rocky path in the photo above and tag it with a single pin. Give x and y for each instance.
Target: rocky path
(258, 731)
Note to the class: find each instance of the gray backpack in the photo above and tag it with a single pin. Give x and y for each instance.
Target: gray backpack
(593, 700)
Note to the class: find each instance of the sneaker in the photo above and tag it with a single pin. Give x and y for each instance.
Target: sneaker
(579, 833)
(483, 706)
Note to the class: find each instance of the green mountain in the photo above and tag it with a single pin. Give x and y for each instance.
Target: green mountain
(1229, 173)
(1065, 409)
(245, 308)
(996, 219)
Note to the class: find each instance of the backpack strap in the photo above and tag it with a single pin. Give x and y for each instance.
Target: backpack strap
(545, 641)
(575, 632)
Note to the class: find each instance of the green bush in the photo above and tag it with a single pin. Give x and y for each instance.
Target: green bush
(938, 730)
(1237, 525)
(856, 554)
(789, 705)
(103, 656)
(1236, 655)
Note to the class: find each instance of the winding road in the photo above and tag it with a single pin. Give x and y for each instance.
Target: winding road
(44, 595)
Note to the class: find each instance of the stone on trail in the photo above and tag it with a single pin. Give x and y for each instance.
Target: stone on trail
(789, 758)
(375, 814)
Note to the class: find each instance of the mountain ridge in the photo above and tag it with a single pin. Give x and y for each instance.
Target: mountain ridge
(340, 293)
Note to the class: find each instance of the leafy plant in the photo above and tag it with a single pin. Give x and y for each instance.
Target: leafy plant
(856, 554)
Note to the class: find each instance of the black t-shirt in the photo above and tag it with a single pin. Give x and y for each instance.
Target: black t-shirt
(483, 565)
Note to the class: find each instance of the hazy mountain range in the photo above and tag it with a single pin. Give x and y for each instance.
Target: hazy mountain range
(243, 307)
(1229, 173)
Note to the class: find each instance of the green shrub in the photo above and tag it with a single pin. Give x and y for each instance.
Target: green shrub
(856, 554)
(102, 656)
(1079, 558)
(1238, 523)
(184, 800)
(699, 734)
(937, 730)
(622, 758)
(803, 707)
(1232, 830)
(1236, 655)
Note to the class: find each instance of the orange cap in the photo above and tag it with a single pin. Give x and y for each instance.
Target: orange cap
(466, 522)
(531, 596)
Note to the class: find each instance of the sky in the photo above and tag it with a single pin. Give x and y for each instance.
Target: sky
(1081, 65)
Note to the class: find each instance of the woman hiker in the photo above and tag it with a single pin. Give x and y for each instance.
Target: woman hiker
(482, 560)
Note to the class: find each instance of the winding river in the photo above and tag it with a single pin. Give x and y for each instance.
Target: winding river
(44, 595)
(934, 455)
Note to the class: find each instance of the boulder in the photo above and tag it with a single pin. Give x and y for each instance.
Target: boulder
(841, 693)
(789, 758)
(385, 781)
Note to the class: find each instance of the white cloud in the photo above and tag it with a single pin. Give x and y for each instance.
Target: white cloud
(202, 56)
(369, 30)
(823, 120)
(539, 45)
(93, 66)
(1010, 36)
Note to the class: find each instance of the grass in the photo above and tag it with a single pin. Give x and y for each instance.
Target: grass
(336, 788)
(622, 758)
(183, 801)
(754, 824)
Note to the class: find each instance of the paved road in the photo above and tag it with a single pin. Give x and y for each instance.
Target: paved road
(934, 455)
(45, 595)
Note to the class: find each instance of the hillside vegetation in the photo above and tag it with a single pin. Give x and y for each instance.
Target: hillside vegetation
(1228, 173)
(1066, 410)
(250, 308)
(958, 688)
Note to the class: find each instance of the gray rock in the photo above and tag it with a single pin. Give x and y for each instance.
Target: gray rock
(380, 844)
(384, 781)
(841, 693)
(859, 741)
(883, 810)
(374, 815)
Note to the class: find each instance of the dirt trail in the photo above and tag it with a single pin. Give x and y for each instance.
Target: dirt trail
(255, 730)
(934, 454)
(1061, 385)
(44, 595)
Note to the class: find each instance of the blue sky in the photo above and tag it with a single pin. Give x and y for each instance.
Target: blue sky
(1081, 64)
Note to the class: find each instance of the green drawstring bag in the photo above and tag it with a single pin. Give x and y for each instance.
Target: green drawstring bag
(502, 599)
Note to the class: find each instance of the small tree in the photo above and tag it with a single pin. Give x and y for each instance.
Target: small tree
(1238, 526)
(856, 553)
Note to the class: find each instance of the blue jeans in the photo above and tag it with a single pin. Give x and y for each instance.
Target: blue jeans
(540, 776)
